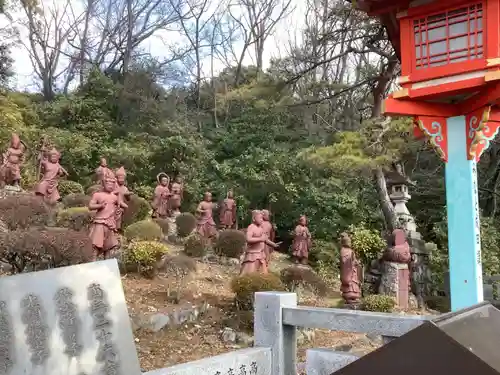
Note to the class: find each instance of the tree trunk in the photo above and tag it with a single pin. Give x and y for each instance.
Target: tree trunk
(384, 200)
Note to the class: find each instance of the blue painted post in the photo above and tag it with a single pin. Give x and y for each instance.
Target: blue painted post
(464, 238)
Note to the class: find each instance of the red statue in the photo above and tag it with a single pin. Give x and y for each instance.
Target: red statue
(123, 193)
(301, 241)
(255, 257)
(161, 197)
(206, 225)
(228, 211)
(349, 272)
(103, 229)
(51, 170)
(10, 171)
(102, 170)
(176, 197)
(399, 249)
(268, 228)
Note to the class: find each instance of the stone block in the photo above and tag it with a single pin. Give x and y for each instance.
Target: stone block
(66, 321)
(326, 361)
(395, 282)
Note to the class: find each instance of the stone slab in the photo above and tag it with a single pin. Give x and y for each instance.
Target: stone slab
(326, 361)
(251, 361)
(66, 321)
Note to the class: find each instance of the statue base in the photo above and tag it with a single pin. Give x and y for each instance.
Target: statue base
(172, 225)
(395, 282)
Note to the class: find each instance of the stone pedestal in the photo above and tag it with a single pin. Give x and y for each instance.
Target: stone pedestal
(420, 272)
(395, 282)
(172, 225)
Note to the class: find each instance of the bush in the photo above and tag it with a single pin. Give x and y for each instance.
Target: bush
(76, 218)
(186, 224)
(297, 276)
(163, 224)
(144, 230)
(93, 189)
(438, 303)
(67, 187)
(76, 200)
(181, 267)
(196, 246)
(245, 286)
(231, 243)
(378, 303)
(23, 211)
(367, 243)
(324, 257)
(145, 255)
(144, 191)
(138, 209)
(35, 249)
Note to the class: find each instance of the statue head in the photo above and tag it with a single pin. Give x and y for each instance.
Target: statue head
(163, 179)
(345, 240)
(54, 155)
(178, 179)
(15, 141)
(303, 220)
(103, 162)
(207, 197)
(230, 194)
(266, 215)
(109, 183)
(257, 217)
(121, 175)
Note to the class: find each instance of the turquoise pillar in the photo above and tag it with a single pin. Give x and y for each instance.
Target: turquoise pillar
(464, 238)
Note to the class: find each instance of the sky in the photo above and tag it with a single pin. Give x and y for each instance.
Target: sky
(277, 45)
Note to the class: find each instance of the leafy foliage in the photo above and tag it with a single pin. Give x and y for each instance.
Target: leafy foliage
(378, 303)
(231, 243)
(245, 286)
(23, 211)
(76, 200)
(304, 277)
(67, 187)
(144, 230)
(138, 209)
(186, 223)
(367, 243)
(144, 255)
(75, 218)
(196, 246)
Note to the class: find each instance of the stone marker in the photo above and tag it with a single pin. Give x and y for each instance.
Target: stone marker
(66, 321)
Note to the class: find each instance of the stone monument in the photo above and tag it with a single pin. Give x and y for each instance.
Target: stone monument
(13, 157)
(398, 183)
(66, 321)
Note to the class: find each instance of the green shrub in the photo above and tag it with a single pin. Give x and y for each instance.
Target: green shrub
(230, 243)
(138, 209)
(438, 303)
(245, 286)
(144, 191)
(76, 200)
(76, 218)
(36, 249)
(324, 257)
(145, 255)
(23, 211)
(182, 268)
(378, 303)
(186, 224)
(367, 243)
(297, 276)
(196, 246)
(66, 187)
(144, 230)
(93, 189)
(163, 224)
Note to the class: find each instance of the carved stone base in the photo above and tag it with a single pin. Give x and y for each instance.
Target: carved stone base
(395, 282)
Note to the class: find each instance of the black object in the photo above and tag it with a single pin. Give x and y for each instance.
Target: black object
(466, 342)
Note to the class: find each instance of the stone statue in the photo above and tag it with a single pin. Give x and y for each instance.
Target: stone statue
(103, 228)
(123, 193)
(228, 211)
(161, 197)
(176, 197)
(205, 225)
(269, 231)
(350, 275)
(395, 274)
(51, 172)
(10, 172)
(301, 241)
(102, 170)
(255, 258)
(398, 250)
